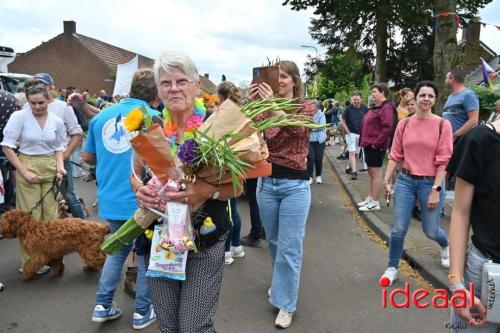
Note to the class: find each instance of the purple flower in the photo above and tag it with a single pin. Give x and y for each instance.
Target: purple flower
(188, 153)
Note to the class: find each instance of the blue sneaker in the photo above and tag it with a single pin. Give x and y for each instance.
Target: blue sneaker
(102, 314)
(140, 322)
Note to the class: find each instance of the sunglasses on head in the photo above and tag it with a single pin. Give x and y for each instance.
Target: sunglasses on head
(38, 87)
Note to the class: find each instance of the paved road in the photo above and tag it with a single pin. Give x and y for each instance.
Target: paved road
(339, 291)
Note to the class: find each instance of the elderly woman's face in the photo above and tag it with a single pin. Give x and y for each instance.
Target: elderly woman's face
(177, 90)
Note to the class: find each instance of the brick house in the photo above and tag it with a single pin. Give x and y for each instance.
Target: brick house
(83, 62)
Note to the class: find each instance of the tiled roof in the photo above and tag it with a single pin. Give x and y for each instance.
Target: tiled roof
(475, 77)
(111, 55)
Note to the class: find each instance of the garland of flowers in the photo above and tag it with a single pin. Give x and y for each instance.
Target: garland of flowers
(193, 122)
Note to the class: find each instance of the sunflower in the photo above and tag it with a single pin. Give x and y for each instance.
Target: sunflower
(133, 120)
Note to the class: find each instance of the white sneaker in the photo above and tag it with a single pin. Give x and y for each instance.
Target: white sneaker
(370, 207)
(284, 319)
(237, 252)
(319, 180)
(228, 258)
(310, 180)
(445, 257)
(269, 292)
(390, 275)
(365, 202)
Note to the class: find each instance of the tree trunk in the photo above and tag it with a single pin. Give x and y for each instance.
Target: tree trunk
(381, 36)
(445, 47)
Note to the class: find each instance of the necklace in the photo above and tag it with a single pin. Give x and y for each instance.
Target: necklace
(192, 123)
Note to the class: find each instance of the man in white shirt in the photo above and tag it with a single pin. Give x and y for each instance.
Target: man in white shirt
(74, 133)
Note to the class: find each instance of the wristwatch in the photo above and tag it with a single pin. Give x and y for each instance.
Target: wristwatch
(216, 194)
(437, 188)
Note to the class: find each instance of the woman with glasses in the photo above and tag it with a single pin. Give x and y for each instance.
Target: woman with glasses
(40, 139)
(188, 306)
(284, 198)
(422, 145)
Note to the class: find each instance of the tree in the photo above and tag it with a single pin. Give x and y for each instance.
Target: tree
(396, 29)
(445, 46)
(339, 72)
(363, 26)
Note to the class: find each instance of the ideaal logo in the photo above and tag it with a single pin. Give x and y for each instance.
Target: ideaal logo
(421, 298)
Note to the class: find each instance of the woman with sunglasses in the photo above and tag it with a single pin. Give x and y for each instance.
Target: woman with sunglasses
(39, 137)
(422, 145)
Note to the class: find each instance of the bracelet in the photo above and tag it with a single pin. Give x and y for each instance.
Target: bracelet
(456, 287)
(450, 276)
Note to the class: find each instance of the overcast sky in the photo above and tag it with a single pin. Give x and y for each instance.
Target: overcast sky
(221, 36)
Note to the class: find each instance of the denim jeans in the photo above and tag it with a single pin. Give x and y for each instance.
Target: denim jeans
(72, 200)
(473, 270)
(284, 205)
(251, 193)
(407, 192)
(112, 272)
(233, 236)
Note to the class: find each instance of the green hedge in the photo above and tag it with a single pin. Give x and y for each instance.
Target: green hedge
(487, 99)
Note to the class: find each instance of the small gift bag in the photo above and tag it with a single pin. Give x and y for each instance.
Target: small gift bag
(165, 263)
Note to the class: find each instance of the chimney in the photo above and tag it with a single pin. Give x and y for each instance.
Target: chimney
(206, 75)
(223, 78)
(69, 27)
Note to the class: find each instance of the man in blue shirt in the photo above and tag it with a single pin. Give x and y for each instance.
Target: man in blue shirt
(462, 106)
(108, 147)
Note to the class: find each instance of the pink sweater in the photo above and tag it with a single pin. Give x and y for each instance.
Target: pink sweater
(418, 148)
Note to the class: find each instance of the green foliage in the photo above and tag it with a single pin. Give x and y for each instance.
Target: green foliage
(342, 25)
(339, 72)
(487, 99)
(91, 100)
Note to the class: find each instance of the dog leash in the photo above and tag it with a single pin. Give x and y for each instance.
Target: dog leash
(56, 184)
(81, 166)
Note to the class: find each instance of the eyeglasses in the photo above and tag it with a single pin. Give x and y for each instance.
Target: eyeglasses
(181, 84)
(429, 96)
(38, 87)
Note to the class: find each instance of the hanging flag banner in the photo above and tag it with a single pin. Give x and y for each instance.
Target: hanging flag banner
(124, 74)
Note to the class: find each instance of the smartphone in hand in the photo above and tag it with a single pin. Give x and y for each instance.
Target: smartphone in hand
(267, 74)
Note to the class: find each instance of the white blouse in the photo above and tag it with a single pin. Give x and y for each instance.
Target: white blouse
(23, 131)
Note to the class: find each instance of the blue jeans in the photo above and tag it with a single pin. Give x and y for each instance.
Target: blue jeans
(407, 192)
(284, 205)
(72, 200)
(233, 237)
(473, 270)
(111, 274)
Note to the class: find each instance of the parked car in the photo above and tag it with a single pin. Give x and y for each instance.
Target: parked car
(12, 82)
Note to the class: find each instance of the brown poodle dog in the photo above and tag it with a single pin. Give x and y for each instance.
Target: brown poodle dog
(52, 240)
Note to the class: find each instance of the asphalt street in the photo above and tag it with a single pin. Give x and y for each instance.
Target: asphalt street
(339, 284)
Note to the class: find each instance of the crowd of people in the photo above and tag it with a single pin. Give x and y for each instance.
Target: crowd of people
(41, 131)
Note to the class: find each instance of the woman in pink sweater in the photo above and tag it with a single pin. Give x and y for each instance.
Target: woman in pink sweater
(422, 145)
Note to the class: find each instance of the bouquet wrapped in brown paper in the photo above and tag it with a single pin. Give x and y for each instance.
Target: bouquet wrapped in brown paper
(227, 149)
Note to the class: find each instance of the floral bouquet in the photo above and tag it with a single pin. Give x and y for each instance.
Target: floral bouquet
(226, 148)
(149, 142)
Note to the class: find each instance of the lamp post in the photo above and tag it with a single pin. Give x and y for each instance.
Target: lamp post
(311, 47)
(315, 49)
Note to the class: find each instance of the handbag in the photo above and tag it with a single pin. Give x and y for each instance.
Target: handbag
(490, 294)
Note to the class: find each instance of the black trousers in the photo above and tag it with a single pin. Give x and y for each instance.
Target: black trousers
(256, 224)
(315, 158)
